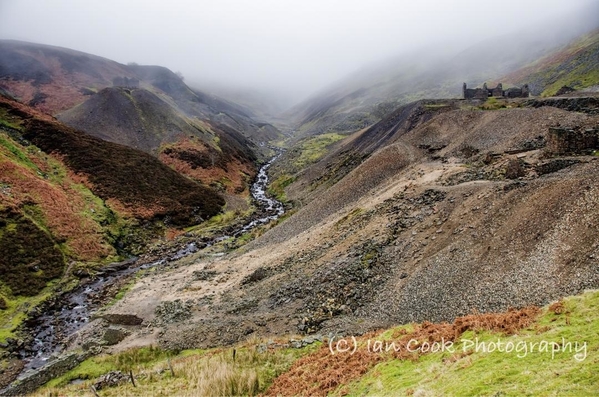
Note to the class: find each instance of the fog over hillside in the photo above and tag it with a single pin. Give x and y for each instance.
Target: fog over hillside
(287, 50)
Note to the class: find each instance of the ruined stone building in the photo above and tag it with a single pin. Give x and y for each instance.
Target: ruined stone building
(498, 92)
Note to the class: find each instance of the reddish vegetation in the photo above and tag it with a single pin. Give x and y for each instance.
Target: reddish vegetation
(207, 166)
(53, 79)
(47, 216)
(137, 181)
(61, 206)
(320, 373)
(63, 95)
(557, 307)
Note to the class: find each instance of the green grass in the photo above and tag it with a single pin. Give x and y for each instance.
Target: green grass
(17, 153)
(17, 307)
(199, 372)
(8, 121)
(314, 148)
(578, 71)
(221, 219)
(578, 78)
(135, 359)
(459, 372)
(466, 372)
(574, 66)
(122, 292)
(277, 187)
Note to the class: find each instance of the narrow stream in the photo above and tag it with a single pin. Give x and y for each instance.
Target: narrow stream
(52, 328)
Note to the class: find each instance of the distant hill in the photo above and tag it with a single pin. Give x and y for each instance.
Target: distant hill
(145, 107)
(130, 116)
(362, 99)
(55, 79)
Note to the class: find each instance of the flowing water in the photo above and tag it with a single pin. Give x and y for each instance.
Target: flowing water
(52, 328)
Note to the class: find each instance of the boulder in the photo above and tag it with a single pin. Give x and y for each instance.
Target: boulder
(122, 319)
(114, 335)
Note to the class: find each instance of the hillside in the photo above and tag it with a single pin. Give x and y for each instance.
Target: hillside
(135, 117)
(55, 79)
(408, 216)
(463, 210)
(460, 209)
(81, 196)
(574, 65)
(70, 206)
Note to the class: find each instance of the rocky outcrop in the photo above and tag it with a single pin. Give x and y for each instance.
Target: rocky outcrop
(169, 312)
(113, 335)
(572, 140)
(588, 105)
(111, 379)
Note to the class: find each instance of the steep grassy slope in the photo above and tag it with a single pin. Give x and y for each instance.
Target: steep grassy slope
(209, 153)
(48, 216)
(133, 183)
(133, 117)
(460, 368)
(136, 181)
(575, 65)
(196, 103)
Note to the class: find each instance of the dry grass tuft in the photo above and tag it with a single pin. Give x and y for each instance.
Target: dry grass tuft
(557, 307)
(219, 375)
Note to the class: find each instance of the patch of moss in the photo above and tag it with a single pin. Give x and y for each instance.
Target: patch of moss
(16, 309)
(9, 121)
(277, 187)
(314, 148)
(121, 294)
(16, 153)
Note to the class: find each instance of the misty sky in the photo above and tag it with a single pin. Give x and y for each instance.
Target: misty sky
(295, 47)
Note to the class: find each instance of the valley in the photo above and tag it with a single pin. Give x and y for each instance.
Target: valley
(68, 313)
(157, 239)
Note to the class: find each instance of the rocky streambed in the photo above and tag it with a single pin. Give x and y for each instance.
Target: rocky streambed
(50, 325)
